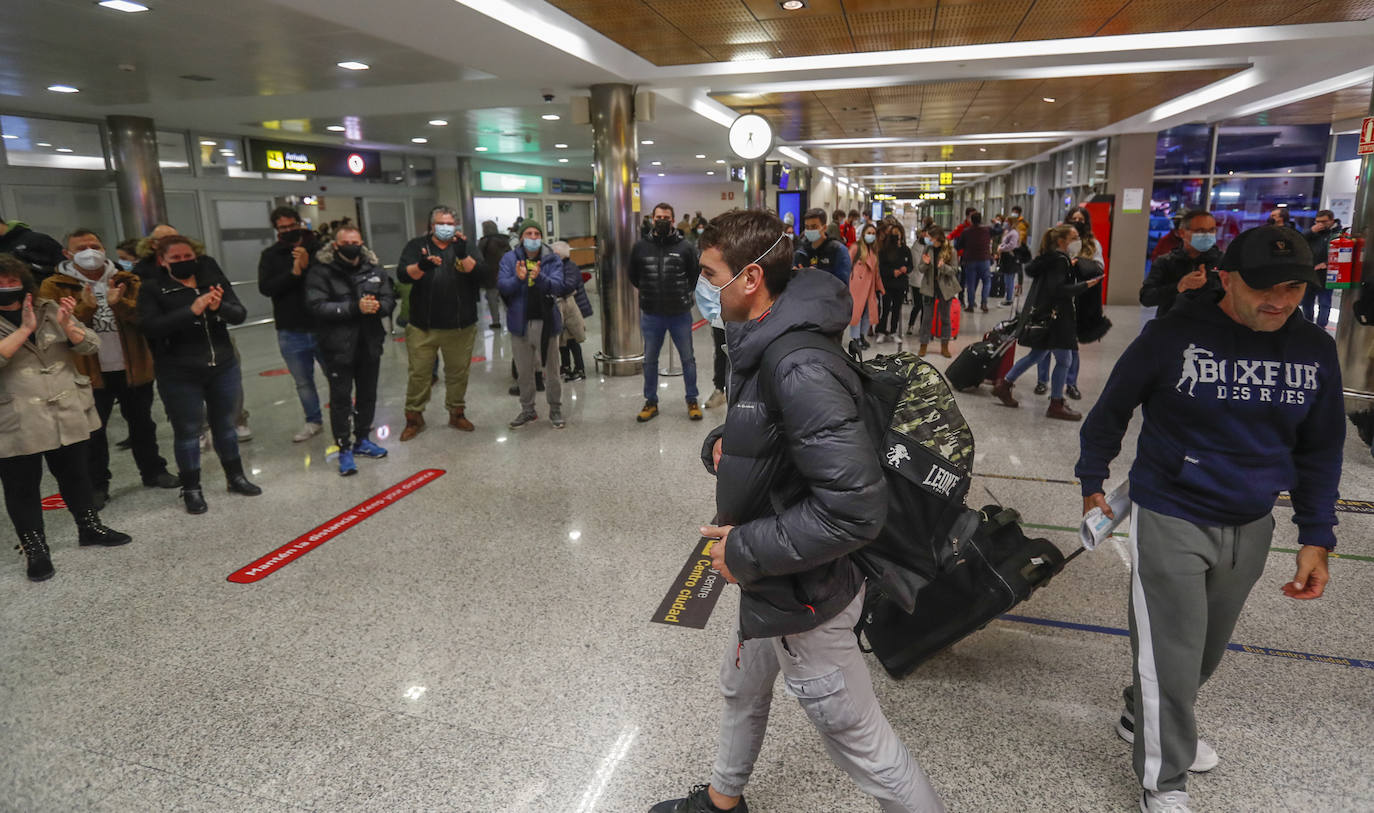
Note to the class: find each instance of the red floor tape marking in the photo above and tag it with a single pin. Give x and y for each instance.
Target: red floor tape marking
(278, 371)
(53, 503)
(699, 324)
(306, 542)
(478, 359)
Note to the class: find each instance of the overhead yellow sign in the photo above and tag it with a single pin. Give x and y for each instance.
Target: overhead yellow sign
(289, 161)
(946, 178)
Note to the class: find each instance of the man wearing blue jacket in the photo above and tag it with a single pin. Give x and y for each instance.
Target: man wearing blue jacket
(531, 281)
(1241, 400)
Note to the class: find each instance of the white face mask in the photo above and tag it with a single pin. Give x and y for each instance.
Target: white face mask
(1074, 247)
(89, 259)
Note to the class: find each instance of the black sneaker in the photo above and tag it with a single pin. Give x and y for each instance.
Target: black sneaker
(1041, 388)
(1073, 393)
(697, 801)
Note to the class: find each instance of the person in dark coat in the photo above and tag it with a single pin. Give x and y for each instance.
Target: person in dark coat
(1316, 304)
(281, 278)
(349, 295)
(185, 312)
(799, 487)
(1190, 270)
(894, 269)
(664, 269)
(1051, 303)
(490, 249)
(41, 253)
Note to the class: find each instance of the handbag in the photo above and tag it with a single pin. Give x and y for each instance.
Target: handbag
(1036, 325)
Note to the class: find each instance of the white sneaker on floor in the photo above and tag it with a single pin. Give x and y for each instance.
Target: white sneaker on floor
(1164, 801)
(717, 399)
(245, 434)
(1203, 761)
(307, 432)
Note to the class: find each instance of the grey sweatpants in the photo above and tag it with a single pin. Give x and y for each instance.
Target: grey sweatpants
(527, 360)
(1188, 585)
(825, 670)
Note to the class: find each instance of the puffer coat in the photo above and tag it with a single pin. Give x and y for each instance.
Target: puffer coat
(800, 483)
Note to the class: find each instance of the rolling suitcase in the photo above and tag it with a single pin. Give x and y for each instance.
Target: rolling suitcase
(1005, 332)
(999, 568)
(937, 325)
(973, 364)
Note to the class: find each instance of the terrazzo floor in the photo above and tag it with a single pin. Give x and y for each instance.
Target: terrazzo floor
(484, 643)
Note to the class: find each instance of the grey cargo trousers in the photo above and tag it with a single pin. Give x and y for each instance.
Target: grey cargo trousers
(1188, 585)
(824, 668)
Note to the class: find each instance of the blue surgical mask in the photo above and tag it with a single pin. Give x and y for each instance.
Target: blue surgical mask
(812, 235)
(708, 295)
(127, 265)
(1202, 241)
(445, 231)
(870, 237)
(532, 244)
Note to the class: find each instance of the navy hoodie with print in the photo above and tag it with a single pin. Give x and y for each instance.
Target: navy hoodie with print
(1232, 417)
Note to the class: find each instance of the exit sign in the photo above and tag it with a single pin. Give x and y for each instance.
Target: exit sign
(510, 182)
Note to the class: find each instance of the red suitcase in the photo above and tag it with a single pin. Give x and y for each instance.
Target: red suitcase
(937, 327)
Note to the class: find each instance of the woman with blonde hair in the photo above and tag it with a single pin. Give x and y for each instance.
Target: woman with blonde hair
(938, 270)
(865, 285)
(1050, 325)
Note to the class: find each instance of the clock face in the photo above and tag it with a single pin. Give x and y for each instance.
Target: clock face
(751, 136)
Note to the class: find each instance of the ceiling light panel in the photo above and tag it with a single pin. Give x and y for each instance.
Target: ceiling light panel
(352, 65)
(126, 6)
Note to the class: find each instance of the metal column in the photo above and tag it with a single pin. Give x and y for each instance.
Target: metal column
(133, 146)
(755, 185)
(616, 153)
(1354, 341)
(467, 208)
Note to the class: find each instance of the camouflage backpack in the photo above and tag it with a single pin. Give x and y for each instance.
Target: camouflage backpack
(926, 450)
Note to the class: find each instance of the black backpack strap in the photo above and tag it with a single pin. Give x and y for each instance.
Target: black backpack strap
(782, 347)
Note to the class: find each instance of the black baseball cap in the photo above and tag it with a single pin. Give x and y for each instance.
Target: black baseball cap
(1266, 256)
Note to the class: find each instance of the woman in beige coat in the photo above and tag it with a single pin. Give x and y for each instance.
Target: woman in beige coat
(47, 412)
(939, 270)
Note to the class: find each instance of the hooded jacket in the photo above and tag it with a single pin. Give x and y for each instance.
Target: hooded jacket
(1232, 417)
(39, 251)
(182, 342)
(444, 297)
(801, 484)
(138, 357)
(333, 289)
(286, 289)
(147, 267)
(665, 270)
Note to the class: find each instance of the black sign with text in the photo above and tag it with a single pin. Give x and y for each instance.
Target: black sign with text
(693, 594)
(312, 159)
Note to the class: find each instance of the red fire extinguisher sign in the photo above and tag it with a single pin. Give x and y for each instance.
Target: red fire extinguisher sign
(1366, 136)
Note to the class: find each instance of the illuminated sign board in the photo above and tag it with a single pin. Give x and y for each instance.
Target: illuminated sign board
(313, 159)
(884, 197)
(510, 182)
(946, 178)
(934, 196)
(571, 187)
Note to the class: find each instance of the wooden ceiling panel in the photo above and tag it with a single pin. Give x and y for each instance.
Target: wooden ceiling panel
(1063, 19)
(991, 21)
(1236, 15)
(1331, 12)
(893, 30)
(1151, 16)
(1342, 105)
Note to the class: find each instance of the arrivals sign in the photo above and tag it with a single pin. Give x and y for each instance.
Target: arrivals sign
(313, 159)
(1366, 137)
(571, 187)
(510, 182)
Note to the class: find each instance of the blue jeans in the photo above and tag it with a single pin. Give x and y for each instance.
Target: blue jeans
(1316, 305)
(300, 352)
(975, 272)
(187, 397)
(654, 326)
(861, 329)
(1010, 277)
(1042, 370)
(1062, 360)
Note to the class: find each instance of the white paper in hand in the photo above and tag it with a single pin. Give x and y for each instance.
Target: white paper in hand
(1097, 526)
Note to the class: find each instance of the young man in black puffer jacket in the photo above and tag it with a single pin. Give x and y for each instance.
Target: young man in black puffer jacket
(799, 488)
(663, 266)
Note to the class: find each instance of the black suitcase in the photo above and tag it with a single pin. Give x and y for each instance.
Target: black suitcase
(999, 567)
(972, 364)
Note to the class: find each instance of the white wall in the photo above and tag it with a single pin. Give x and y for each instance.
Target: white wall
(690, 194)
(1338, 188)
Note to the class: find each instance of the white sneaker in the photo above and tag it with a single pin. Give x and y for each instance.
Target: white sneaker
(1203, 761)
(307, 432)
(245, 434)
(1164, 801)
(717, 399)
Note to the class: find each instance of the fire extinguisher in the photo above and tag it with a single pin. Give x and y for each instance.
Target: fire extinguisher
(1343, 262)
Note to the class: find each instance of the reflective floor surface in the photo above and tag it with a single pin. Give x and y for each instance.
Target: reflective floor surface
(483, 644)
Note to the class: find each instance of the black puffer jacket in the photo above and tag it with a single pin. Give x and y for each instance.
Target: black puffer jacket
(182, 342)
(333, 289)
(665, 271)
(1054, 292)
(813, 459)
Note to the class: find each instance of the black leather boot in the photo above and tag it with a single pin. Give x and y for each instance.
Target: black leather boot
(91, 531)
(35, 547)
(191, 493)
(238, 482)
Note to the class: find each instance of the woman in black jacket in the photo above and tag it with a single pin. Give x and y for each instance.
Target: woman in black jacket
(1050, 326)
(185, 311)
(894, 268)
(349, 294)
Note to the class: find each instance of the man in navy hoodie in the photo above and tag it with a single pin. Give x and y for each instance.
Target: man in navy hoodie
(1241, 400)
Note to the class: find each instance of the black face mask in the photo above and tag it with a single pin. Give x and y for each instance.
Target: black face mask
(9, 296)
(293, 236)
(1081, 227)
(661, 228)
(350, 252)
(184, 269)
